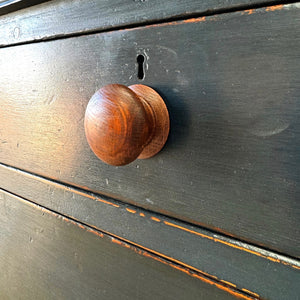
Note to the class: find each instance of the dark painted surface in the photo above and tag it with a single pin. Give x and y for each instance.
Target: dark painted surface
(262, 272)
(231, 84)
(8, 6)
(80, 16)
(46, 256)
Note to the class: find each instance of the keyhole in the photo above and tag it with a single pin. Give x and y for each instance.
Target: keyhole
(140, 60)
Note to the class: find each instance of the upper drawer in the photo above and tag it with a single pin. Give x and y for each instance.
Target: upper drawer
(59, 18)
(231, 84)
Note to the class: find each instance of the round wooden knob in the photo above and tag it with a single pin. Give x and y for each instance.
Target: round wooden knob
(124, 123)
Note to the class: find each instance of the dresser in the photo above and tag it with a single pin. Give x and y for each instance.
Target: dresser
(215, 214)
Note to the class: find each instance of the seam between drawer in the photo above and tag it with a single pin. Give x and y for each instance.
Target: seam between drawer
(169, 221)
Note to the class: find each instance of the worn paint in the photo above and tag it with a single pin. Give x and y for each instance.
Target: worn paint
(95, 232)
(231, 245)
(249, 292)
(205, 19)
(73, 190)
(229, 283)
(173, 23)
(123, 242)
(131, 210)
(249, 11)
(202, 278)
(107, 202)
(70, 189)
(188, 230)
(187, 271)
(274, 7)
(194, 20)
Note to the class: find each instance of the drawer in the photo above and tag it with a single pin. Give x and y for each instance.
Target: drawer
(247, 269)
(231, 85)
(75, 17)
(56, 258)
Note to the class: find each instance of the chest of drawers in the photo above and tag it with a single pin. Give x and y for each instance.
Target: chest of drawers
(215, 214)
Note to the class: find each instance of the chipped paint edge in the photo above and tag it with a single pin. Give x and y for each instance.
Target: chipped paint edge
(189, 270)
(251, 249)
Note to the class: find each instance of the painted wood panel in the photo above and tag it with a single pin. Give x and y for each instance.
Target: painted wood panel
(47, 256)
(253, 270)
(67, 17)
(231, 84)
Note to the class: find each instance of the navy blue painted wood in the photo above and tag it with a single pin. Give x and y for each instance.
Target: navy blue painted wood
(231, 84)
(46, 256)
(268, 274)
(83, 16)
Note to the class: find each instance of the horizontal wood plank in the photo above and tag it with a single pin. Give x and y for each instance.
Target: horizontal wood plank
(47, 256)
(82, 16)
(244, 266)
(231, 84)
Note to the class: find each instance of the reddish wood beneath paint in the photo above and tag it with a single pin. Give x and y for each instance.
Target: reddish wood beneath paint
(124, 123)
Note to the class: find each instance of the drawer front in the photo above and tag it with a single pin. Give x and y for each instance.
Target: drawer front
(74, 17)
(231, 84)
(246, 268)
(56, 258)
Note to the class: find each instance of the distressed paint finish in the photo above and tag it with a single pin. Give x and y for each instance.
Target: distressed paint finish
(54, 257)
(84, 16)
(268, 274)
(231, 85)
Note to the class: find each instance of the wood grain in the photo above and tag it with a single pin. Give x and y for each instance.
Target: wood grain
(244, 266)
(47, 256)
(231, 85)
(83, 16)
(125, 123)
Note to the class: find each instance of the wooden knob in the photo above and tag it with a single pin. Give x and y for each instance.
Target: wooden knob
(124, 123)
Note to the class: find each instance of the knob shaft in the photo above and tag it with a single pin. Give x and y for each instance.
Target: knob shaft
(125, 123)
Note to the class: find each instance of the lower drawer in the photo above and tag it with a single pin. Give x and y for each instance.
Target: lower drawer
(231, 84)
(246, 268)
(47, 256)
